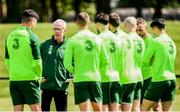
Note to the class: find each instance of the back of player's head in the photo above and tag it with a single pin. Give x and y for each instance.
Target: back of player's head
(114, 19)
(131, 21)
(159, 23)
(102, 18)
(83, 18)
(141, 21)
(28, 15)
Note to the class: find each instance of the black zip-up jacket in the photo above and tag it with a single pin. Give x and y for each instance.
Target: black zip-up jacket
(54, 72)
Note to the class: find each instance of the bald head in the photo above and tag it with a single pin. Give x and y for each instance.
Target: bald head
(130, 24)
(59, 23)
(131, 21)
(59, 27)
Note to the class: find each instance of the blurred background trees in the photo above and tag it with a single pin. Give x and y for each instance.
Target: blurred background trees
(49, 10)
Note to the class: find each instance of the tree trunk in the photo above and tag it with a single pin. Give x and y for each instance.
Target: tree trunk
(139, 8)
(13, 11)
(64, 4)
(44, 11)
(55, 14)
(103, 6)
(158, 9)
(76, 6)
(1, 11)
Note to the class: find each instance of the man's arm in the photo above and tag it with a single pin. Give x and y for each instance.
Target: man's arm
(69, 57)
(103, 60)
(37, 62)
(148, 55)
(160, 59)
(122, 58)
(7, 57)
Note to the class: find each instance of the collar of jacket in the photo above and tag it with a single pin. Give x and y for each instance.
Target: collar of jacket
(55, 42)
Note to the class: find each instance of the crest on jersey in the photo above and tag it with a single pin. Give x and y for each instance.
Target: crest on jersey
(50, 49)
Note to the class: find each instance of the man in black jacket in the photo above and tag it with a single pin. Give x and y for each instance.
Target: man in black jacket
(54, 82)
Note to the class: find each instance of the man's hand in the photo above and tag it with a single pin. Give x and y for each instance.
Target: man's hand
(42, 80)
(69, 80)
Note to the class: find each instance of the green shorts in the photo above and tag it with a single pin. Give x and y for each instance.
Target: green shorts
(25, 92)
(137, 93)
(84, 91)
(111, 92)
(128, 92)
(145, 86)
(164, 91)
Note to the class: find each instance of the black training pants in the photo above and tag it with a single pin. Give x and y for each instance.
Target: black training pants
(60, 99)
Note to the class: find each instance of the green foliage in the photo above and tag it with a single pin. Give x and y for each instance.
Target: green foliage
(173, 4)
(148, 3)
(90, 8)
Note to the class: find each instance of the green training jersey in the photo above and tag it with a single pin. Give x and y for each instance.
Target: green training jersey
(113, 46)
(128, 68)
(121, 33)
(138, 54)
(147, 70)
(90, 59)
(162, 56)
(170, 48)
(23, 55)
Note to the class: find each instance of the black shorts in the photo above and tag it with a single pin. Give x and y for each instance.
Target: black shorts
(25, 92)
(164, 91)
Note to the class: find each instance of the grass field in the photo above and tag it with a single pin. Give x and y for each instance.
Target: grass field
(44, 31)
(6, 105)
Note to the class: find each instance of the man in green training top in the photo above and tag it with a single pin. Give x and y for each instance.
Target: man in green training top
(22, 57)
(128, 68)
(114, 25)
(110, 80)
(55, 75)
(162, 86)
(130, 27)
(90, 60)
(146, 71)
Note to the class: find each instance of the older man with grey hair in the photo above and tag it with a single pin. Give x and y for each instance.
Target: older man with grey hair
(139, 49)
(54, 82)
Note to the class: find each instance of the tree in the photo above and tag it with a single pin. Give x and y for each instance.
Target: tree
(76, 6)
(103, 6)
(13, 10)
(43, 10)
(138, 7)
(158, 5)
(157, 8)
(54, 8)
(1, 11)
(137, 4)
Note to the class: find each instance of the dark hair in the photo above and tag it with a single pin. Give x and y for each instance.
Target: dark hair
(83, 18)
(28, 14)
(159, 23)
(102, 18)
(140, 21)
(114, 19)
